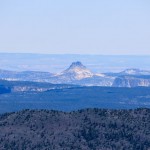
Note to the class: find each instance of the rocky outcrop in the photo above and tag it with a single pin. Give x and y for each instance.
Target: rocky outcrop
(131, 81)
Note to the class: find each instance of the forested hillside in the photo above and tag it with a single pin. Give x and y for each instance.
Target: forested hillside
(89, 129)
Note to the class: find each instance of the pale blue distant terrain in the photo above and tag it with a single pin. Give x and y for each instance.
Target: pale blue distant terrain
(15, 96)
(56, 63)
(70, 82)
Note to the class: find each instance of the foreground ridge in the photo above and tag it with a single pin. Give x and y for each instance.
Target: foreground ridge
(84, 129)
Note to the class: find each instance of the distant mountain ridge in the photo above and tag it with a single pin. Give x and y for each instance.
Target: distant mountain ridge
(78, 74)
(76, 71)
(134, 71)
(25, 75)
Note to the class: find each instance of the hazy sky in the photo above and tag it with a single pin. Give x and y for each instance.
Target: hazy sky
(75, 26)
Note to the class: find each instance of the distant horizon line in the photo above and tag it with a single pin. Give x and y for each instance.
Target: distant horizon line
(33, 53)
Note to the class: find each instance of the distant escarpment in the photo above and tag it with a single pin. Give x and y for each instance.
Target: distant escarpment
(131, 81)
(89, 129)
(78, 74)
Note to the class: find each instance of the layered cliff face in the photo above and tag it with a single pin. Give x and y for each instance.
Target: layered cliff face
(131, 81)
(26, 86)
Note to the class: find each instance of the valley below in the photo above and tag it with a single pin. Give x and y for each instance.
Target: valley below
(32, 95)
